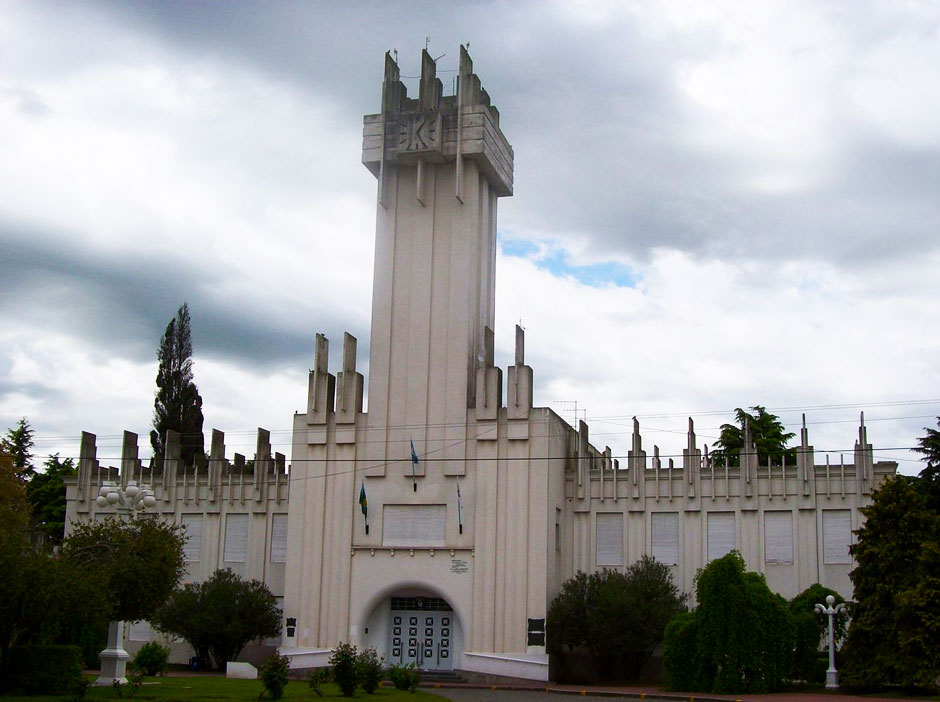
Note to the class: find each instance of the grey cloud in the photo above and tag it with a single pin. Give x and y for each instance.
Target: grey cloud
(123, 305)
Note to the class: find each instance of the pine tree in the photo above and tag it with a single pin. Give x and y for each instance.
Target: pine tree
(19, 443)
(769, 435)
(178, 405)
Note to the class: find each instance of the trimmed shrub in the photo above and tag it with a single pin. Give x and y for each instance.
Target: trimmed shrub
(152, 659)
(620, 618)
(343, 668)
(274, 675)
(404, 677)
(45, 670)
(369, 669)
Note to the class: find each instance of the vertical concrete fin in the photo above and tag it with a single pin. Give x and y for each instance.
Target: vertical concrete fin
(584, 457)
(864, 459)
(489, 351)
(171, 465)
(519, 400)
(129, 458)
(263, 463)
(87, 463)
(430, 89)
(216, 462)
(805, 461)
(464, 77)
(489, 380)
(691, 459)
(393, 93)
(322, 385)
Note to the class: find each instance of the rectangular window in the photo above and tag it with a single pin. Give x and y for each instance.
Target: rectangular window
(279, 538)
(236, 538)
(837, 536)
(720, 534)
(778, 537)
(609, 539)
(192, 526)
(664, 527)
(413, 525)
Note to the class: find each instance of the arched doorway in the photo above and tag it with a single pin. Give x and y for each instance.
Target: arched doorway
(414, 624)
(422, 631)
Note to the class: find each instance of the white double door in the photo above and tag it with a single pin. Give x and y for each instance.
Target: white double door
(423, 638)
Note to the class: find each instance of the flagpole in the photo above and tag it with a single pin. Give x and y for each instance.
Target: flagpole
(364, 504)
(414, 463)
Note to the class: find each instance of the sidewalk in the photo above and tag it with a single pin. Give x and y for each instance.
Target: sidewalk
(653, 693)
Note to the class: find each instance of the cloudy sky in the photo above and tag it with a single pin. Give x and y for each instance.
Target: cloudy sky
(717, 204)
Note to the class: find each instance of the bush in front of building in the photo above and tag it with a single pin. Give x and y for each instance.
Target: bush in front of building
(404, 677)
(152, 659)
(344, 669)
(617, 618)
(220, 616)
(369, 669)
(740, 638)
(274, 675)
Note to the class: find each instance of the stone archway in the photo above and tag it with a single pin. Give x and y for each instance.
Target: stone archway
(414, 623)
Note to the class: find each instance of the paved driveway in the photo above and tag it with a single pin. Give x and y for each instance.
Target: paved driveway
(468, 695)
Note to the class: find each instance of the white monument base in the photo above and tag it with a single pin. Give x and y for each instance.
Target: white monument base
(243, 671)
(114, 657)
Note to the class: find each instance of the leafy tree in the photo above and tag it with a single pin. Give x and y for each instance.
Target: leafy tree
(137, 563)
(739, 639)
(45, 493)
(929, 445)
(769, 435)
(19, 443)
(41, 592)
(619, 617)
(811, 627)
(567, 621)
(220, 616)
(895, 633)
(178, 405)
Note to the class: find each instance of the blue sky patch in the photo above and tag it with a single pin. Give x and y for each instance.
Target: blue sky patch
(556, 262)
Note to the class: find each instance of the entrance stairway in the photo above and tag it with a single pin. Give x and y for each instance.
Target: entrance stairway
(430, 677)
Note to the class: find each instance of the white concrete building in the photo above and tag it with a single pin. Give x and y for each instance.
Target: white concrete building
(462, 552)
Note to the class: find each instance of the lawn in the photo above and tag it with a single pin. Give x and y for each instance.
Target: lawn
(181, 689)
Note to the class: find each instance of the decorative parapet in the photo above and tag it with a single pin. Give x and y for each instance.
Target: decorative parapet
(205, 487)
(436, 128)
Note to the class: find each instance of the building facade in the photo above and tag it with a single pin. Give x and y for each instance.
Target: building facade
(439, 525)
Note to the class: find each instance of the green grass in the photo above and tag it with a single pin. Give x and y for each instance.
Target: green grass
(218, 688)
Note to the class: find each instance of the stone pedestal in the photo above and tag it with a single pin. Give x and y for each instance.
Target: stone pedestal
(114, 657)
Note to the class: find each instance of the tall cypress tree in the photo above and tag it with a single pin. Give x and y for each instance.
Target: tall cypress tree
(178, 405)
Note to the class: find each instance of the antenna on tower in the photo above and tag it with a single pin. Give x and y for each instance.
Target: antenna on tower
(427, 43)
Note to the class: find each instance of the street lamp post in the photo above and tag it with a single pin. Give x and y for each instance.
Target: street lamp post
(125, 501)
(832, 677)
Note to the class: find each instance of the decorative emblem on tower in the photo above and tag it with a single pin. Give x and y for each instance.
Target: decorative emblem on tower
(419, 133)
